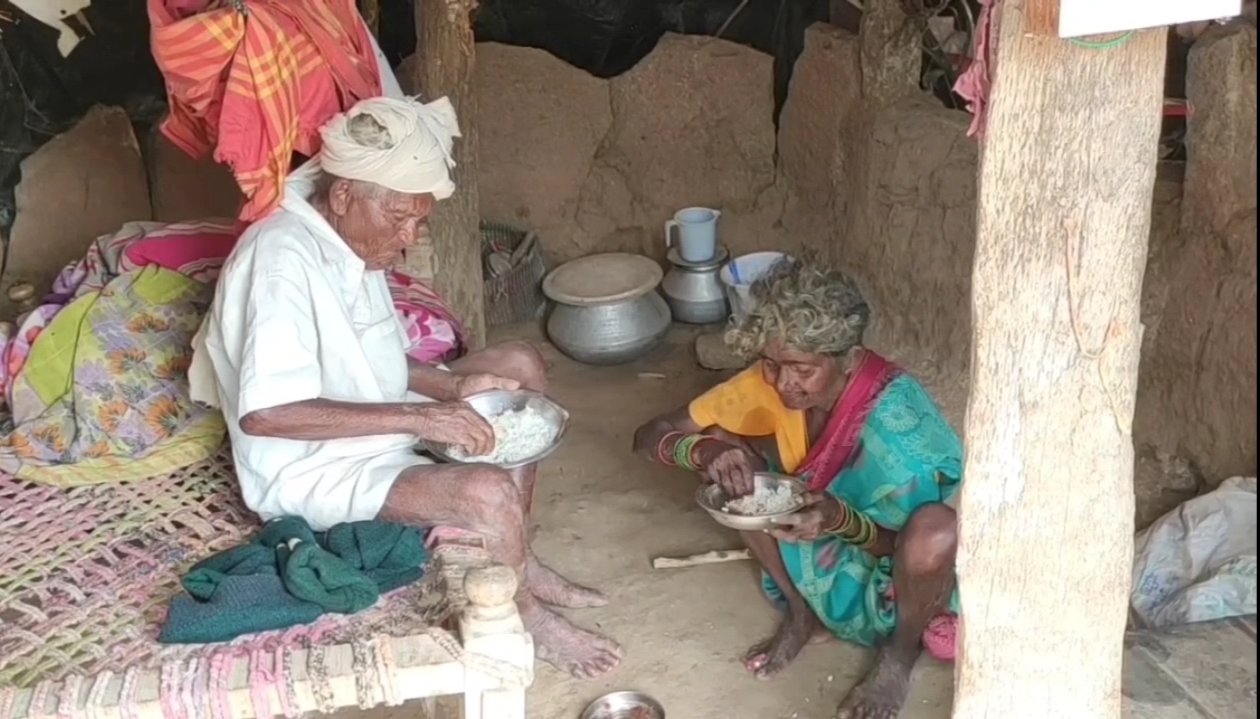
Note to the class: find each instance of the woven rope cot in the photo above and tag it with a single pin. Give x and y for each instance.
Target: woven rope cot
(86, 574)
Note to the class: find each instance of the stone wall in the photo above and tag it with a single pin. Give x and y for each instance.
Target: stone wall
(888, 189)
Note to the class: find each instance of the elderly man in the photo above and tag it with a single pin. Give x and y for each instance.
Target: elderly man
(322, 404)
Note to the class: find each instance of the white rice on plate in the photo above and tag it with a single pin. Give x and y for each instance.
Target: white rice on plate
(518, 435)
(763, 501)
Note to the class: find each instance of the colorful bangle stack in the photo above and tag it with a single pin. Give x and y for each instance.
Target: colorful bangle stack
(675, 449)
(854, 527)
(665, 448)
(682, 451)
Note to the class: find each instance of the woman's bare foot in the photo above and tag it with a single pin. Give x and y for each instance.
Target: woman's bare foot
(822, 635)
(882, 692)
(772, 656)
(569, 648)
(550, 588)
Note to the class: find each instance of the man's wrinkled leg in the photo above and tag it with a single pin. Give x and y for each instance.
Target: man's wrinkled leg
(483, 499)
(923, 580)
(522, 362)
(799, 623)
(514, 360)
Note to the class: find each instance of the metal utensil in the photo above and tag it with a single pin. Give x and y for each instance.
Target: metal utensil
(693, 290)
(492, 403)
(607, 310)
(624, 705)
(498, 263)
(522, 249)
(712, 499)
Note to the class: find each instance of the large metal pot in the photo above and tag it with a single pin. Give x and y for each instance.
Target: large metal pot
(607, 310)
(693, 290)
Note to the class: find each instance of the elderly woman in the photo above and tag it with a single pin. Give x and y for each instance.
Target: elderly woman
(870, 557)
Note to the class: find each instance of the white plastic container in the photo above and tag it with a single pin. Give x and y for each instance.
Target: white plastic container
(750, 267)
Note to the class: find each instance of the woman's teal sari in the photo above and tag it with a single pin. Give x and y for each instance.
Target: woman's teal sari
(905, 456)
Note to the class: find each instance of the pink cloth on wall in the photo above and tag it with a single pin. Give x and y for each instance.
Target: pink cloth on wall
(975, 83)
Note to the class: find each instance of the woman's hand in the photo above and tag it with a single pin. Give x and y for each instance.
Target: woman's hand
(730, 466)
(455, 423)
(807, 524)
(468, 385)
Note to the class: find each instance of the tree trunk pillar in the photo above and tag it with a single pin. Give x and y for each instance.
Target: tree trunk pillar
(1047, 508)
(445, 55)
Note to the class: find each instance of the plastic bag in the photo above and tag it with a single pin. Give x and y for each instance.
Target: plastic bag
(1198, 562)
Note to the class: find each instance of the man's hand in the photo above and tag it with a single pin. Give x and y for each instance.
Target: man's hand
(730, 466)
(468, 385)
(807, 524)
(455, 423)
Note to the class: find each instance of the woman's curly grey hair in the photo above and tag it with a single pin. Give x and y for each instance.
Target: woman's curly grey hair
(804, 305)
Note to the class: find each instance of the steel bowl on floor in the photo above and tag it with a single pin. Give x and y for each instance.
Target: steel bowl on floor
(497, 401)
(713, 500)
(624, 705)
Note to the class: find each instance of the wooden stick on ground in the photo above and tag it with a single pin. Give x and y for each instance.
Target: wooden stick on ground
(695, 560)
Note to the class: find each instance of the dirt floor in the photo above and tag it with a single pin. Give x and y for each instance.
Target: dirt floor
(602, 514)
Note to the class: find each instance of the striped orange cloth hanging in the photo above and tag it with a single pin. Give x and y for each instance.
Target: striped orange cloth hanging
(253, 81)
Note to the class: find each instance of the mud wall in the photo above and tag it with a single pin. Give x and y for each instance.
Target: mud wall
(600, 165)
(888, 189)
(1197, 389)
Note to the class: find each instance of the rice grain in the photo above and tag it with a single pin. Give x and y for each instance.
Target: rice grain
(517, 435)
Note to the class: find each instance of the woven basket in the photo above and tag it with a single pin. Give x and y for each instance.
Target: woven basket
(515, 294)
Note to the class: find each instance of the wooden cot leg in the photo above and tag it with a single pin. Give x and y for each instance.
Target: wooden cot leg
(491, 628)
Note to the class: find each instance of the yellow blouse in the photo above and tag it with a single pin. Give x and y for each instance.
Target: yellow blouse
(745, 405)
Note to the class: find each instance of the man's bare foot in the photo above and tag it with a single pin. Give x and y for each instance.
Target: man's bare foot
(551, 588)
(569, 648)
(772, 656)
(882, 692)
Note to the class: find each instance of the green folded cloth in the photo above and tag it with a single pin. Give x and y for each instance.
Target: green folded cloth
(314, 574)
(240, 604)
(203, 580)
(283, 530)
(287, 572)
(257, 557)
(391, 555)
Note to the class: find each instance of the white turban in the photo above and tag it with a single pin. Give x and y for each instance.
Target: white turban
(417, 159)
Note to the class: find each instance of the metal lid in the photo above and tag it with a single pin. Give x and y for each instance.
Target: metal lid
(712, 263)
(600, 279)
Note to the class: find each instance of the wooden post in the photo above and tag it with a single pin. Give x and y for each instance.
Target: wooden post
(1046, 512)
(1041, 17)
(444, 67)
(491, 627)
